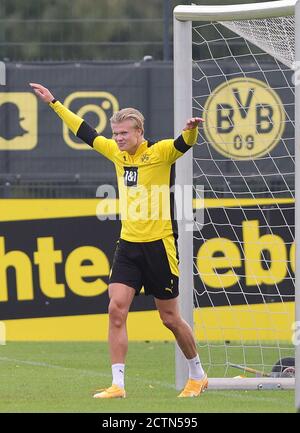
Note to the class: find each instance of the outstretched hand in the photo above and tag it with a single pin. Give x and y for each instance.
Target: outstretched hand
(192, 123)
(42, 92)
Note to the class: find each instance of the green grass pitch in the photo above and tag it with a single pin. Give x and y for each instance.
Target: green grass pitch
(61, 377)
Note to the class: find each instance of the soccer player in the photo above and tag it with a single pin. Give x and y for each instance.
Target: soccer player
(146, 253)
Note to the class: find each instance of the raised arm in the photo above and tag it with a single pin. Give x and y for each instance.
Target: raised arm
(77, 125)
(172, 149)
(190, 131)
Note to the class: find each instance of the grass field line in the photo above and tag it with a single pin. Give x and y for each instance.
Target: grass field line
(82, 371)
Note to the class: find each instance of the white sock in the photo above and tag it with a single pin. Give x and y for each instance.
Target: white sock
(195, 368)
(118, 374)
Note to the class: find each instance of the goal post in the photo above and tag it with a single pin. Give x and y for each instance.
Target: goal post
(183, 111)
(297, 211)
(252, 24)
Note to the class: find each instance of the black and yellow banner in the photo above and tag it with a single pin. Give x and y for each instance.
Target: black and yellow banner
(55, 258)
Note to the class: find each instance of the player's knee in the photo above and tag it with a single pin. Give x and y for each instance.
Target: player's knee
(117, 315)
(170, 321)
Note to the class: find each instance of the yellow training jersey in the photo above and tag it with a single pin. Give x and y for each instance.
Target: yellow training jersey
(145, 179)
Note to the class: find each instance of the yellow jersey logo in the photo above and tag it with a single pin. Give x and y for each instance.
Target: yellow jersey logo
(244, 118)
(145, 157)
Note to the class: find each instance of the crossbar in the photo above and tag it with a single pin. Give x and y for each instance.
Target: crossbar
(252, 11)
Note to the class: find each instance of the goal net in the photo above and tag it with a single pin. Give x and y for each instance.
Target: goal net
(244, 163)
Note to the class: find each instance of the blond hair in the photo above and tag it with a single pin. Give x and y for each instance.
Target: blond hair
(129, 114)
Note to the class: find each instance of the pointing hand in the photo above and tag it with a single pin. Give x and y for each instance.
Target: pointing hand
(42, 92)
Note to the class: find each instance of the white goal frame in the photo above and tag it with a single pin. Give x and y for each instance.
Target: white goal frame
(183, 17)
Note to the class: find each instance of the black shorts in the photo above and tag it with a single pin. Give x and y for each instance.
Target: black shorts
(152, 265)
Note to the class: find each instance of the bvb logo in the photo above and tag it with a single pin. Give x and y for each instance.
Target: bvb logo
(244, 118)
